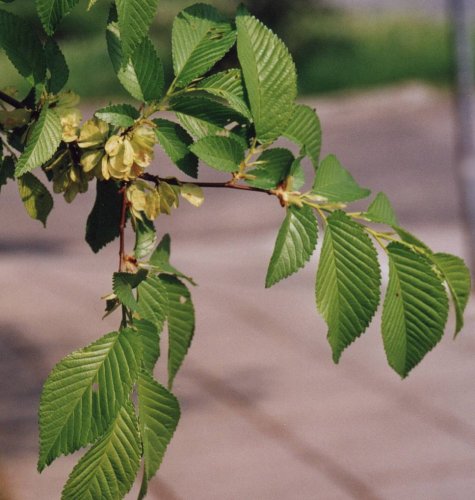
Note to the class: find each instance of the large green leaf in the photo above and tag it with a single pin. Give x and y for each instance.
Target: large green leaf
(175, 142)
(274, 165)
(52, 11)
(149, 335)
(269, 75)
(43, 141)
(84, 392)
(145, 238)
(159, 415)
(57, 66)
(104, 220)
(348, 281)
(153, 301)
(135, 17)
(142, 74)
(457, 276)
(221, 153)
(201, 36)
(181, 323)
(415, 309)
(35, 197)
(107, 471)
(120, 115)
(305, 130)
(381, 210)
(295, 244)
(23, 47)
(335, 184)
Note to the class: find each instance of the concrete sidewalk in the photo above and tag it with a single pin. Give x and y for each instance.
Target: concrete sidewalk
(265, 413)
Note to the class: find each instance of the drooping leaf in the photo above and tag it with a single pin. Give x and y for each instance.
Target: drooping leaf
(159, 412)
(415, 309)
(269, 75)
(221, 153)
(152, 301)
(23, 47)
(335, 184)
(120, 115)
(43, 141)
(145, 238)
(304, 129)
(149, 335)
(295, 244)
(7, 169)
(124, 283)
(201, 36)
(457, 276)
(135, 17)
(274, 166)
(181, 323)
(142, 75)
(104, 220)
(35, 197)
(51, 12)
(108, 469)
(348, 281)
(57, 66)
(84, 392)
(381, 210)
(175, 142)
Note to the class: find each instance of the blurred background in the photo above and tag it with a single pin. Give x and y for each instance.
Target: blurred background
(265, 413)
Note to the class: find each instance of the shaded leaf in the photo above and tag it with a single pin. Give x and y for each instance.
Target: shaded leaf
(7, 169)
(51, 12)
(57, 66)
(274, 166)
(35, 197)
(145, 238)
(124, 283)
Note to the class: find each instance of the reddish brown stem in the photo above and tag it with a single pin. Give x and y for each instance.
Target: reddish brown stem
(123, 220)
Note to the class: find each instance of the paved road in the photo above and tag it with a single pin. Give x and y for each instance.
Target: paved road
(266, 415)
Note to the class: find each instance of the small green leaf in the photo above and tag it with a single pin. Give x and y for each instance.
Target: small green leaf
(108, 469)
(415, 309)
(159, 412)
(135, 17)
(457, 276)
(201, 36)
(145, 238)
(57, 66)
(43, 141)
(305, 130)
(104, 220)
(35, 197)
(410, 239)
(181, 323)
(335, 184)
(124, 283)
(120, 115)
(296, 179)
(269, 75)
(149, 335)
(274, 165)
(152, 301)
(84, 392)
(295, 244)
(348, 281)
(221, 153)
(51, 12)
(381, 210)
(175, 142)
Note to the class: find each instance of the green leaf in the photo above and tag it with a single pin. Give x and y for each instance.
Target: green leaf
(35, 197)
(274, 166)
(159, 416)
(152, 301)
(149, 335)
(295, 244)
(43, 141)
(84, 392)
(201, 36)
(381, 210)
(51, 12)
(348, 281)
(410, 239)
(457, 276)
(7, 169)
(305, 130)
(221, 153)
(142, 76)
(23, 47)
(335, 184)
(145, 238)
(135, 18)
(107, 471)
(120, 115)
(269, 75)
(124, 283)
(296, 178)
(415, 309)
(104, 220)
(57, 66)
(181, 323)
(175, 142)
